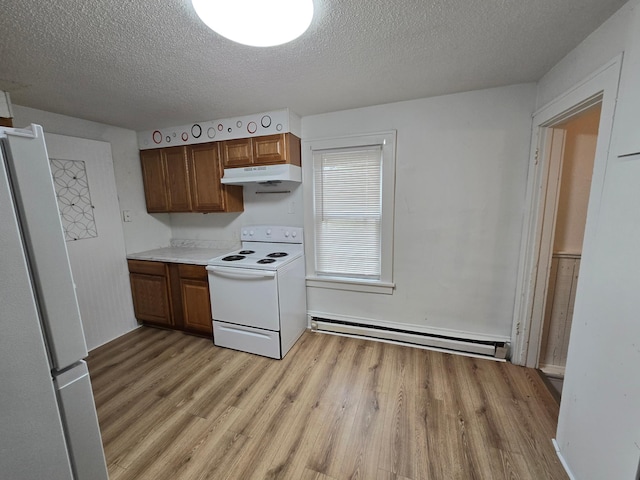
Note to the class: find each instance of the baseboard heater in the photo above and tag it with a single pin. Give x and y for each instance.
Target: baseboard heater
(478, 347)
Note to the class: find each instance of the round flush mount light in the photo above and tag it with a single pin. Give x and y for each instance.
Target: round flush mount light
(258, 23)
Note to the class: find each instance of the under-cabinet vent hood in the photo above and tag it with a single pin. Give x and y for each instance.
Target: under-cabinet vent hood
(262, 174)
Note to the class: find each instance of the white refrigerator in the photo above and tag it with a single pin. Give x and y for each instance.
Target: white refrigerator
(48, 423)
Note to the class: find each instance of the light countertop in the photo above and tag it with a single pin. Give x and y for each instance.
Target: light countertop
(191, 255)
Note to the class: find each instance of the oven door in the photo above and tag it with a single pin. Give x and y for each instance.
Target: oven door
(244, 296)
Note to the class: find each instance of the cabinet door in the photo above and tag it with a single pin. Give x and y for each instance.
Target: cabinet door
(237, 153)
(269, 149)
(195, 300)
(205, 170)
(151, 299)
(154, 179)
(196, 306)
(177, 172)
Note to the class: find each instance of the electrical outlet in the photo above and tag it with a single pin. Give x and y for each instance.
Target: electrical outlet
(126, 216)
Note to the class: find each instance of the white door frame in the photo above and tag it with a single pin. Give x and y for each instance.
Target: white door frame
(602, 85)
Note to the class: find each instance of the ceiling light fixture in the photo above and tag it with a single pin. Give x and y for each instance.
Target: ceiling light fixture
(258, 23)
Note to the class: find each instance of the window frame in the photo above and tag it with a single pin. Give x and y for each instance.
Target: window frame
(387, 142)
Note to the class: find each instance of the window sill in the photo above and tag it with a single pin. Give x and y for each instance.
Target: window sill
(335, 283)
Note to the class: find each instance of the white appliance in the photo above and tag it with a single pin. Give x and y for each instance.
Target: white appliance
(258, 293)
(49, 427)
(285, 172)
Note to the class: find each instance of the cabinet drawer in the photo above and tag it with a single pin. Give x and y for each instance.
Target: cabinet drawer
(247, 339)
(147, 267)
(197, 272)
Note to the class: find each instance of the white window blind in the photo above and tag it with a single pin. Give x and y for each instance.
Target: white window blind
(348, 212)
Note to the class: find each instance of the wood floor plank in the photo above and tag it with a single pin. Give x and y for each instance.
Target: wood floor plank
(192, 452)
(339, 403)
(308, 474)
(116, 472)
(398, 451)
(172, 406)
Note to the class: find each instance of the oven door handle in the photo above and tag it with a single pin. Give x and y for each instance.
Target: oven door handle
(240, 272)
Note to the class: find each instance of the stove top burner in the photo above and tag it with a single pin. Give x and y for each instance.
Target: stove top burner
(245, 252)
(277, 255)
(233, 258)
(266, 260)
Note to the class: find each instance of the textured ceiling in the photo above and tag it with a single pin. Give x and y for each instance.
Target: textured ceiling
(145, 65)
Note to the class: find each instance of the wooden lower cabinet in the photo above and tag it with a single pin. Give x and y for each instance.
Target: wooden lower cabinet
(150, 291)
(171, 295)
(191, 301)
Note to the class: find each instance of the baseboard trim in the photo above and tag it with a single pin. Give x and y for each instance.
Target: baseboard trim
(404, 344)
(564, 463)
(547, 383)
(481, 347)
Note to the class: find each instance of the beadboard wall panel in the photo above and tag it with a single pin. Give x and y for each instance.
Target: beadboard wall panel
(98, 263)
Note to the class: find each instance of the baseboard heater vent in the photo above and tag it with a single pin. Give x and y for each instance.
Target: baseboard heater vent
(478, 347)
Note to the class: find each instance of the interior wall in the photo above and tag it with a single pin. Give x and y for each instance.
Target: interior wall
(599, 424)
(145, 231)
(461, 165)
(259, 209)
(605, 43)
(575, 184)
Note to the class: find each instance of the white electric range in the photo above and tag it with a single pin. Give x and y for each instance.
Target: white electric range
(258, 293)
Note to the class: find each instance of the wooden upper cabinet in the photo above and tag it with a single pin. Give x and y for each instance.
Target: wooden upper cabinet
(207, 193)
(205, 171)
(264, 150)
(166, 180)
(154, 179)
(187, 179)
(178, 186)
(237, 153)
(281, 148)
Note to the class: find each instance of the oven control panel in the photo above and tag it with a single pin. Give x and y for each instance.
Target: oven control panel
(268, 233)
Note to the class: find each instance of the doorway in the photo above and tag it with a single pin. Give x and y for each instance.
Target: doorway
(549, 131)
(570, 158)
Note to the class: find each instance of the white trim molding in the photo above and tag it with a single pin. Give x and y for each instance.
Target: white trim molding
(564, 463)
(602, 84)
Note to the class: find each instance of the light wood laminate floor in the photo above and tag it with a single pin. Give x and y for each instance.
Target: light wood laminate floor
(173, 406)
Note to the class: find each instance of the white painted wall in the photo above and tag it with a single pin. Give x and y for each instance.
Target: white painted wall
(259, 208)
(461, 166)
(575, 184)
(597, 49)
(599, 424)
(146, 231)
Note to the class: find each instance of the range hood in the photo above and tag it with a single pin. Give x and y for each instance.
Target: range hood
(262, 174)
